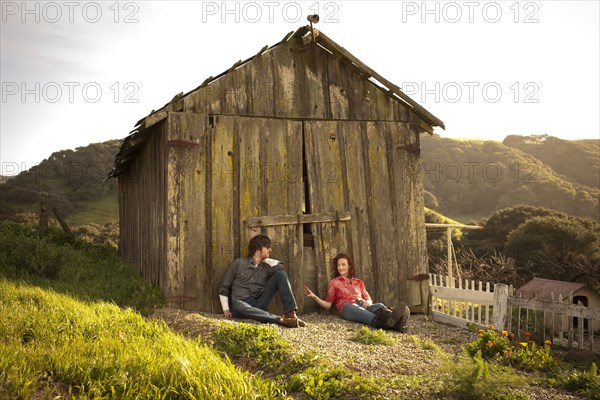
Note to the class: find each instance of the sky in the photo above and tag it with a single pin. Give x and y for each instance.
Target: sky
(81, 72)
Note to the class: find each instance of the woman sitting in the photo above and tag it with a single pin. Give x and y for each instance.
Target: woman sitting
(354, 303)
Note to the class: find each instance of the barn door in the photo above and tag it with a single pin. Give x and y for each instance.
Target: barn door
(367, 168)
(326, 188)
(254, 172)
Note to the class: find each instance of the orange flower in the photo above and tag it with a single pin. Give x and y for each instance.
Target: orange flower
(548, 342)
(528, 334)
(491, 326)
(489, 343)
(504, 333)
(480, 331)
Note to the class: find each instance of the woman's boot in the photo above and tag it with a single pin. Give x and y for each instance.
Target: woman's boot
(402, 324)
(390, 317)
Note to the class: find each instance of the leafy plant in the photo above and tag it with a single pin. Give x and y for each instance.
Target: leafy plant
(505, 349)
(333, 383)
(586, 383)
(366, 335)
(472, 378)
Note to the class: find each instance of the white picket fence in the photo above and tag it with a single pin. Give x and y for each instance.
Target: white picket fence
(468, 302)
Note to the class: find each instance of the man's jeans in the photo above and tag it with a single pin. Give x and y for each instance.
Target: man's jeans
(256, 308)
(355, 313)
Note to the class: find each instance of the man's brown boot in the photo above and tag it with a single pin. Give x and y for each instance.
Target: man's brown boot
(289, 322)
(292, 314)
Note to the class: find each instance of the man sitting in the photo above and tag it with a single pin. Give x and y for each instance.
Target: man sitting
(251, 283)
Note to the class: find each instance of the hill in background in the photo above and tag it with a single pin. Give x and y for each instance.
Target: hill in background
(470, 179)
(577, 161)
(74, 182)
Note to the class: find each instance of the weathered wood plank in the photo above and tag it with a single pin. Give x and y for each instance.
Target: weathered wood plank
(423, 113)
(295, 188)
(452, 320)
(187, 174)
(281, 146)
(272, 220)
(222, 242)
(326, 190)
(381, 213)
(353, 175)
(287, 82)
(154, 118)
(145, 179)
(250, 173)
(408, 205)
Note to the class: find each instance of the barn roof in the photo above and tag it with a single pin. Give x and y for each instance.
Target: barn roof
(139, 134)
(544, 289)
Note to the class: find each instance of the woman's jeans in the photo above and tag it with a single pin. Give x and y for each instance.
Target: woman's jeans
(256, 307)
(355, 313)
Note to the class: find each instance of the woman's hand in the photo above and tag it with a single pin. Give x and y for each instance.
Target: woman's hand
(322, 303)
(309, 292)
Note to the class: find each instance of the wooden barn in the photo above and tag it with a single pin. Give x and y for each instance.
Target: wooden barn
(302, 142)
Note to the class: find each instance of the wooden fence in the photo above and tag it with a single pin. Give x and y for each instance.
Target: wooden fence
(468, 302)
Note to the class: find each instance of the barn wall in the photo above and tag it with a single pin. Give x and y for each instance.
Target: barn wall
(142, 199)
(285, 83)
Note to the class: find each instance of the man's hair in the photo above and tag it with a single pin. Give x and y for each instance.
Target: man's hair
(336, 273)
(257, 243)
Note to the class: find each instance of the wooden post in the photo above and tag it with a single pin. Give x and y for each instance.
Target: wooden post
(62, 222)
(500, 306)
(449, 243)
(43, 217)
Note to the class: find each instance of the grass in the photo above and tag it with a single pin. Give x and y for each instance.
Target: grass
(99, 211)
(80, 269)
(99, 350)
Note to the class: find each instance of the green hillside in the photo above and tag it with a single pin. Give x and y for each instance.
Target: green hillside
(576, 160)
(74, 181)
(475, 178)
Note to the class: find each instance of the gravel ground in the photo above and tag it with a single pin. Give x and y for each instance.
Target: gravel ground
(413, 353)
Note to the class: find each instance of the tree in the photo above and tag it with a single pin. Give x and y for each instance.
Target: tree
(555, 247)
(497, 227)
